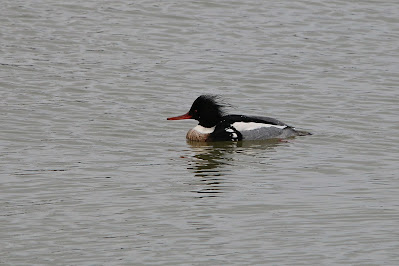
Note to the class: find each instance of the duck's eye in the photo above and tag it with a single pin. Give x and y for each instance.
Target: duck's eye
(196, 111)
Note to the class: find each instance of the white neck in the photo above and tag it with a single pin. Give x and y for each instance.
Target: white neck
(204, 130)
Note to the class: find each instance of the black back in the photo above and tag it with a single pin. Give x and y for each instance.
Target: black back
(256, 119)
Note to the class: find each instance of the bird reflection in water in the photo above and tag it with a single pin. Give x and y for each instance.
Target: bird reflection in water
(212, 160)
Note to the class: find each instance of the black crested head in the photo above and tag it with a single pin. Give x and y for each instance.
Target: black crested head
(208, 110)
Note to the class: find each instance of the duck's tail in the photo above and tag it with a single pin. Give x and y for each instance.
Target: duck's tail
(303, 133)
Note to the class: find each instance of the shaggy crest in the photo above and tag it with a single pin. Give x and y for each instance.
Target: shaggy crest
(213, 101)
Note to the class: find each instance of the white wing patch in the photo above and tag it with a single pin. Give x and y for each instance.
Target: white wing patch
(233, 135)
(244, 126)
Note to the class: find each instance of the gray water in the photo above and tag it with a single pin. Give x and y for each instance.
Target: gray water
(92, 173)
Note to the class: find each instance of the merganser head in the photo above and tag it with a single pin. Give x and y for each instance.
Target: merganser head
(206, 109)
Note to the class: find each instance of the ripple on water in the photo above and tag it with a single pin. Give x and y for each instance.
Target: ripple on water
(92, 173)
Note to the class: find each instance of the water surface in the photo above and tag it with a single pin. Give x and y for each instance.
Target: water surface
(93, 174)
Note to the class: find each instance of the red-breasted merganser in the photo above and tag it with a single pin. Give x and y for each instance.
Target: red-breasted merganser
(215, 125)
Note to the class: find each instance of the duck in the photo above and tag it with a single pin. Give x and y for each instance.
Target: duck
(215, 125)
